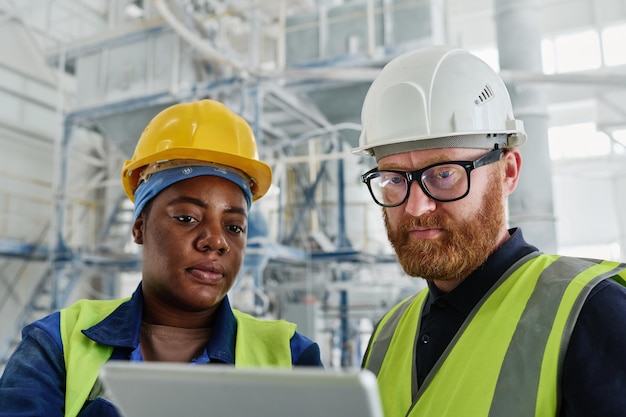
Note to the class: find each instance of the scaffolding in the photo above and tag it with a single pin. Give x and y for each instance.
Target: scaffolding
(306, 261)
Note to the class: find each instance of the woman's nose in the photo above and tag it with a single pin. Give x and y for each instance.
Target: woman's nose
(212, 239)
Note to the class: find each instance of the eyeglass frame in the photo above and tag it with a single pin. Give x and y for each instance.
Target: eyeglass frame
(492, 156)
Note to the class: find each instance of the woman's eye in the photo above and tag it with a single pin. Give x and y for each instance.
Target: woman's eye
(236, 229)
(185, 219)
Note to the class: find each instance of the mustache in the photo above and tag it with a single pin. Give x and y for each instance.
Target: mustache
(431, 221)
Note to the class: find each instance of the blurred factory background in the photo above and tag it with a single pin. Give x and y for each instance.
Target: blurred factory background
(79, 79)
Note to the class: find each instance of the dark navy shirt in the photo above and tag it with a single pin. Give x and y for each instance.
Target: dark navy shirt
(33, 381)
(594, 372)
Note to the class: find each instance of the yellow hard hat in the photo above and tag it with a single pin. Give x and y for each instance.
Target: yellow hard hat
(204, 130)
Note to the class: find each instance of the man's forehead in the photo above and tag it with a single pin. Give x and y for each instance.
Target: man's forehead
(424, 157)
(480, 141)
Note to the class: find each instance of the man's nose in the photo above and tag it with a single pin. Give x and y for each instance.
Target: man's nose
(418, 202)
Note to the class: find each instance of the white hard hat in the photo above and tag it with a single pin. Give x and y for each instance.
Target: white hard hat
(437, 97)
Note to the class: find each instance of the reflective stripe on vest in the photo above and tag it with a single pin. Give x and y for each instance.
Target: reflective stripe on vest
(488, 370)
(258, 343)
(83, 357)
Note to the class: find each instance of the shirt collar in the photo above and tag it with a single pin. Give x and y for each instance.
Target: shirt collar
(120, 329)
(221, 346)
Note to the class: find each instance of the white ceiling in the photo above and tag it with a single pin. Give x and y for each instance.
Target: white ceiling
(59, 24)
(469, 23)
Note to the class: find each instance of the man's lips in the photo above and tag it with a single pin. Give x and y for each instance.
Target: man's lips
(425, 233)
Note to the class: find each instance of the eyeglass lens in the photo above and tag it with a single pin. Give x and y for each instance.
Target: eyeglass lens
(442, 182)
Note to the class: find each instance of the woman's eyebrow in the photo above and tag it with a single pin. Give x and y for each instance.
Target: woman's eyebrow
(201, 203)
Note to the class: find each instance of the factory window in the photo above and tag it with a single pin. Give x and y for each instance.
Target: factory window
(609, 250)
(577, 51)
(573, 141)
(613, 45)
(548, 56)
(584, 50)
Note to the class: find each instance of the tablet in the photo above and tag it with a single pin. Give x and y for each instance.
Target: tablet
(159, 389)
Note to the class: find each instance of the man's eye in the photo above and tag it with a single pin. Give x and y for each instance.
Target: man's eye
(391, 180)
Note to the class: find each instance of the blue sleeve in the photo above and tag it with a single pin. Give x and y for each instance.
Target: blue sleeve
(594, 370)
(304, 352)
(33, 381)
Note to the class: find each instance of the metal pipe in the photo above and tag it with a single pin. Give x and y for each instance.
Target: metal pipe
(371, 28)
(341, 239)
(201, 45)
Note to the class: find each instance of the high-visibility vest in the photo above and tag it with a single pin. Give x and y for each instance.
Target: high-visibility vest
(258, 343)
(505, 360)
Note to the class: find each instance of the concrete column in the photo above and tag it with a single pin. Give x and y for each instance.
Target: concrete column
(519, 46)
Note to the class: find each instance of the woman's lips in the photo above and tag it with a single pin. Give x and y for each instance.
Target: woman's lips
(209, 273)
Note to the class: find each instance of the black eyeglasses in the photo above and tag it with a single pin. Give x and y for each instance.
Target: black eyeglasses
(443, 181)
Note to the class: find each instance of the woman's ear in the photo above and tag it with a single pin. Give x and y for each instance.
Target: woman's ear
(138, 229)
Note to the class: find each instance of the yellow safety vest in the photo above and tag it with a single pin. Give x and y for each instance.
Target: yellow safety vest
(258, 343)
(505, 360)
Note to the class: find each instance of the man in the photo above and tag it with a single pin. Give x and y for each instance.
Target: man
(501, 329)
(193, 177)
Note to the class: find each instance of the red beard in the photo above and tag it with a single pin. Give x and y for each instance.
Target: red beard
(463, 247)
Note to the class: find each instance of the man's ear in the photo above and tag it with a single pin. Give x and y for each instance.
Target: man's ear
(513, 166)
(138, 229)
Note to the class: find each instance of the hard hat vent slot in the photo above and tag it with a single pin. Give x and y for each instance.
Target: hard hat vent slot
(484, 96)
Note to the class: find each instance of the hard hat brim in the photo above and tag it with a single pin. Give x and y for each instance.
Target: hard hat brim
(486, 140)
(259, 172)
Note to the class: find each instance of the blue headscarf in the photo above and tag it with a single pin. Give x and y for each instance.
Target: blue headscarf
(158, 181)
